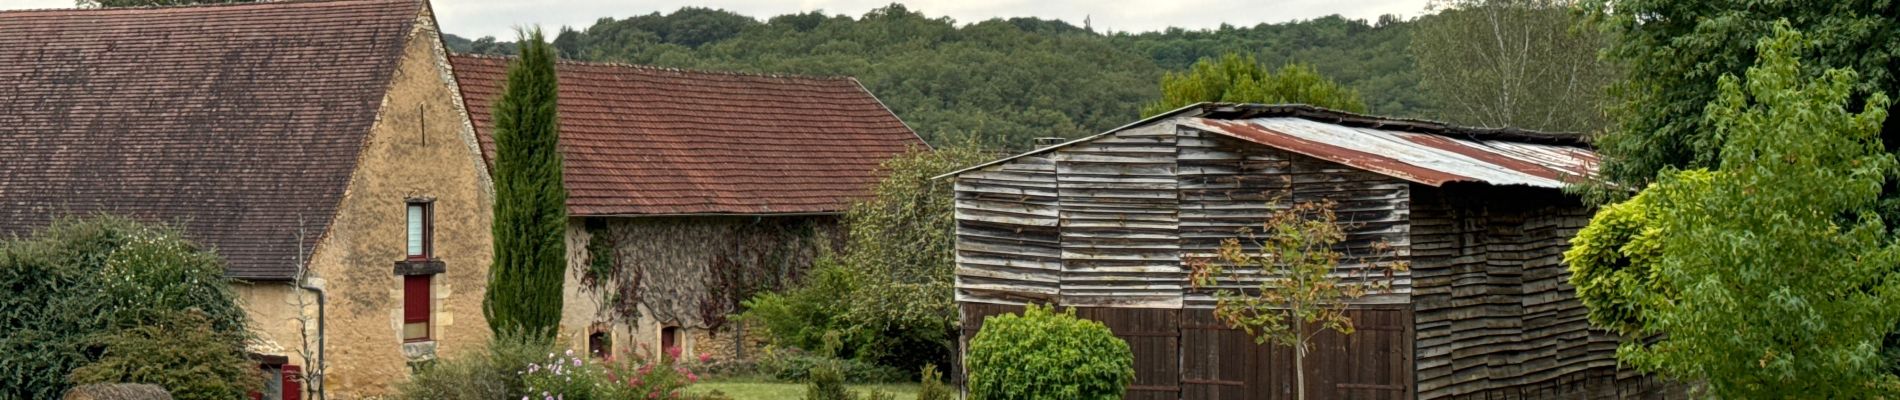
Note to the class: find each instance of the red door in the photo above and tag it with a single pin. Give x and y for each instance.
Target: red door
(293, 382)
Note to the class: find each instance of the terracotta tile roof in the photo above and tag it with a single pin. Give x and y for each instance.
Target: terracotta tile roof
(656, 141)
(239, 123)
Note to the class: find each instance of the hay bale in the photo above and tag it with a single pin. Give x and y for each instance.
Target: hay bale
(118, 391)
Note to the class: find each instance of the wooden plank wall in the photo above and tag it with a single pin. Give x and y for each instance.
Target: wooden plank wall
(1118, 202)
(1227, 184)
(1373, 363)
(1187, 354)
(1008, 250)
(1495, 314)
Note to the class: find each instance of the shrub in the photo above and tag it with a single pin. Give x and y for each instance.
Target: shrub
(1043, 354)
(932, 387)
(641, 376)
(562, 376)
(491, 373)
(794, 366)
(467, 376)
(72, 285)
(1613, 265)
(827, 383)
(181, 353)
(889, 293)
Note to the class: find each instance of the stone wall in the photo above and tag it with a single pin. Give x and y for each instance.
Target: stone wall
(686, 272)
(421, 146)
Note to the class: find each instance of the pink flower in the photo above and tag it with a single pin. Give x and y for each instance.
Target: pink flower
(577, 362)
(672, 353)
(691, 378)
(705, 357)
(653, 394)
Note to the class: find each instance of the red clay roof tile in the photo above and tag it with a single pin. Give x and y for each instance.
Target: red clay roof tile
(655, 141)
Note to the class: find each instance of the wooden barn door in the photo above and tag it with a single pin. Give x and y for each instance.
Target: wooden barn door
(1372, 363)
(1154, 334)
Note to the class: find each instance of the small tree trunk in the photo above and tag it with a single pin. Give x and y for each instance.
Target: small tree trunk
(1299, 360)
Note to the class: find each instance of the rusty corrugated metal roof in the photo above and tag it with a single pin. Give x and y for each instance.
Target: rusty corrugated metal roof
(1426, 158)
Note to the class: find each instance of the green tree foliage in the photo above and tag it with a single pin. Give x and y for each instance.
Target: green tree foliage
(996, 83)
(889, 293)
(179, 351)
(1513, 63)
(932, 387)
(1674, 52)
(1236, 79)
(1784, 271)
(1043, 354)
(151, 3)
(101, 290)
(524, 285)
(1304, 294)
(1613, 263)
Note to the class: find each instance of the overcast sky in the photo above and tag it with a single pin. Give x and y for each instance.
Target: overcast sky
(475, 18)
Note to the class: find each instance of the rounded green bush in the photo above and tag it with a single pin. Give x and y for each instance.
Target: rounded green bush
(1043, 354)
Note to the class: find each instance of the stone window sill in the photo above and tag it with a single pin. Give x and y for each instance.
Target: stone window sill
(419, 267)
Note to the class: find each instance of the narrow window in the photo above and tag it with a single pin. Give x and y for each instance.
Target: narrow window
(421, 230)
(600, 344)
(415, 308)
(669, 337)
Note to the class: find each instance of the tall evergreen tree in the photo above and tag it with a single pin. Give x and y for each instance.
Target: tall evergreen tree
(524, 284)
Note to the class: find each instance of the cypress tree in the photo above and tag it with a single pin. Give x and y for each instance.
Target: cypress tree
(524, 283)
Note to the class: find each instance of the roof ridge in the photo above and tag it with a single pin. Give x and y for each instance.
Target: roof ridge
(259, 3)
(669, 69)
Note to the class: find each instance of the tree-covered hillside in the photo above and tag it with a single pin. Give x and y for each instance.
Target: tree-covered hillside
(1000, 82)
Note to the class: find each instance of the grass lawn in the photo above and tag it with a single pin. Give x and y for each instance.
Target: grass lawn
(759, 389)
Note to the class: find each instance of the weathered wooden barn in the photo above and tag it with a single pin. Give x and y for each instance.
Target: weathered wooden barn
(690, 190)
(1107, 224)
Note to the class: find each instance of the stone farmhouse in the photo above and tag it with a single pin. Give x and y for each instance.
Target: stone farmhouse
(689, 190)
(326, 150)
(319, 147)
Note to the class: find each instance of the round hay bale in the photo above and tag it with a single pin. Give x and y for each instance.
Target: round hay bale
(118, 391)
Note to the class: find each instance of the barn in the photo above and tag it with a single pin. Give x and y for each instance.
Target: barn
(1108, 223)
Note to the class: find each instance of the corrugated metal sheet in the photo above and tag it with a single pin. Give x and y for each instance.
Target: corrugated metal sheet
(1426, 158)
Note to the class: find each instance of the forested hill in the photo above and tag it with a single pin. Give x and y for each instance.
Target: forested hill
(999, 82)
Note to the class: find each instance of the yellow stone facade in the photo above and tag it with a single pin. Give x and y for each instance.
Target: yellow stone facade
(421, 146)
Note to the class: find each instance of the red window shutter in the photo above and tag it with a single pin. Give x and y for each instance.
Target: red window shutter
(415, 301)
(293, 382)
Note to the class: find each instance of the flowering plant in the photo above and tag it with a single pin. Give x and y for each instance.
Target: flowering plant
(639, 375)
(563, 376)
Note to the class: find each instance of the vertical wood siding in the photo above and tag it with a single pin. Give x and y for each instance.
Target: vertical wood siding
(1188, 354)
(1495, 312)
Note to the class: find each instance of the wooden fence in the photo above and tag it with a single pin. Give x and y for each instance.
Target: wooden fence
(1187, 354)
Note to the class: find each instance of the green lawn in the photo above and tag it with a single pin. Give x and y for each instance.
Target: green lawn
(758, 389)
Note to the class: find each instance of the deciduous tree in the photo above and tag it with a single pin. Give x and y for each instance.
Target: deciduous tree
(1301, 291)
(1780, 274)
(1513, 63)
(1673, 52)
(1236, 79)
